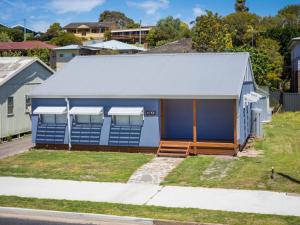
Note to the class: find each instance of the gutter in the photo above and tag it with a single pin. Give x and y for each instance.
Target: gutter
(69, 123)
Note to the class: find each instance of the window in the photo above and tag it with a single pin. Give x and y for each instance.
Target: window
(48, 118)
(51, 118)
(61, 118)
(61, 55)
(10, 106)
(128, 120)
(27, 104)
(89, 119)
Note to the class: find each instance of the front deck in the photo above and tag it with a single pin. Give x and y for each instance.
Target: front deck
(175, 148)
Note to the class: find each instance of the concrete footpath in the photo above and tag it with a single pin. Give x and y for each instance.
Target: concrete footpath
(263, 202)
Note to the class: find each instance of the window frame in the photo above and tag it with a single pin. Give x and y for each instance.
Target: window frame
(27, 104)
(89, 118)
(10, 106)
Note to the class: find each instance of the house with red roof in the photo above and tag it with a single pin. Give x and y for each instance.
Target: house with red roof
(27, 45)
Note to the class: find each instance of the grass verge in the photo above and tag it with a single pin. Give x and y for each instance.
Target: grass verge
(87, 166)
(180, 214)
(280, 149)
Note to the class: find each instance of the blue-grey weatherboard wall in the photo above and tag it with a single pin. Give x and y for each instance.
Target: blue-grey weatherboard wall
(215, 118)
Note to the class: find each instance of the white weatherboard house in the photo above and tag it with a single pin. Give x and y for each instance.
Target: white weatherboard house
(18, 76)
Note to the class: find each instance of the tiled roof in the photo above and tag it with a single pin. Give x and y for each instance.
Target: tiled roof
(25, 45)
(88, 24)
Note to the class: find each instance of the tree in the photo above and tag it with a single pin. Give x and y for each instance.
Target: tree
(210, 34)
(4, 37)
(167, 30)
(240, 6)
(54, 30)
(41, 53)
(16, 34)
(290, 14)
(242, 26)
(118, 18)
(266, 72)
(283, 36)
(65, 38)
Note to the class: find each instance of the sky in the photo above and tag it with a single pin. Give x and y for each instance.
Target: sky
(39, 14)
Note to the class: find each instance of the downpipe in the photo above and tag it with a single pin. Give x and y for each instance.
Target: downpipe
(69, 123)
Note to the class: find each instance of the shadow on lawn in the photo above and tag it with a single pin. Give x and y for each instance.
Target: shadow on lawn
(289, 178)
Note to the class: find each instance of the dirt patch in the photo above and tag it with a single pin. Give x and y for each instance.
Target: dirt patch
(250, 151)
(218, 169)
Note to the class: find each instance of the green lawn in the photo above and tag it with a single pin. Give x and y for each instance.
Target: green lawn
(183, 214)
(280, 148)
(88, 166)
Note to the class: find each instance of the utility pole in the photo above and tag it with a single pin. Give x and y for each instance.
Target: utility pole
(140, 36)
(24, 29)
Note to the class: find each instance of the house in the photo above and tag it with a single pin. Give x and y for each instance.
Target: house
(18, 75)
(118, 46)
(24, 45)
(89, 30)
(66, 53)
(27, 45)
(183, 45)
(133, 35)
(28, 30)
(3, 26)
(176, 104)
(294, 47)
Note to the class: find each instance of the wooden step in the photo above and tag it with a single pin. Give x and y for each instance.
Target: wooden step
(171, 155)
(173, 149)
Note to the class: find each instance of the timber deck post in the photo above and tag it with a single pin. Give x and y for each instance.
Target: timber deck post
(194, 121)
(234, 122)
(162, 119)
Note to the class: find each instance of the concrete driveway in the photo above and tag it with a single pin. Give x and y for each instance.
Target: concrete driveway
(15, 147)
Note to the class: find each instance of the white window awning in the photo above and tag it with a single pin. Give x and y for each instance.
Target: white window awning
(58, 110)
(126, 111)
(86, 110)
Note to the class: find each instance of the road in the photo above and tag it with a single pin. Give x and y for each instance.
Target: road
(20, 216)
(15, 147)
(18, 221)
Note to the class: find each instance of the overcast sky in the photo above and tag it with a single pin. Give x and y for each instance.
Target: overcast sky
(40, 13)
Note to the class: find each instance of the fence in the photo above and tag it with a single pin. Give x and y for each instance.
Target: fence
(289, 101)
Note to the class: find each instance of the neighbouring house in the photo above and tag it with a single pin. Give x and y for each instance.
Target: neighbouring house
(66, 53)
(294, 47)
(172, 104)
(28, 30)
(18, 75)
(133, 35)
(27, 45)
(184, 45)
(120, 47)
(89, 30)
(3, 26)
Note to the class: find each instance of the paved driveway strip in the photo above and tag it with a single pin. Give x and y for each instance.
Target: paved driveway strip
(15, 147)
(263, 202)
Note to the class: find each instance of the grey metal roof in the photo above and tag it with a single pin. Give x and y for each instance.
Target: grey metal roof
(199, 75)
(11, 66)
